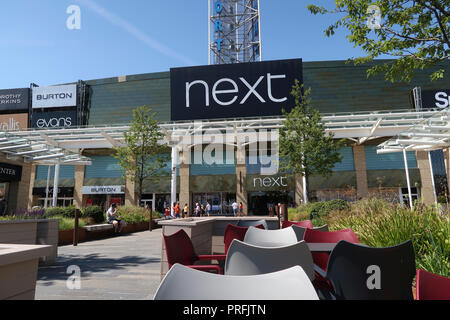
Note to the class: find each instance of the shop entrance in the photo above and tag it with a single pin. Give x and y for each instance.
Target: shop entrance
(259, 203)
(4, 188)
(220, 202)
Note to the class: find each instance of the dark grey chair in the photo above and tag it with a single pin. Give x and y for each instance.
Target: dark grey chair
(252, 223)
(270, 238)
(246, 259)
(300, 231)
(358, 272)
(184, 283)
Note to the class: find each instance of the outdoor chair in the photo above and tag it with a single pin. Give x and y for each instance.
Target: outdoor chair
(180, 250)
(300, 231)
(430, 286)
(321, 258)
(234, 232)
(358, 272)
(305, 224)
(270, 238)
(246, 259)
(252, 223)
(182, 283)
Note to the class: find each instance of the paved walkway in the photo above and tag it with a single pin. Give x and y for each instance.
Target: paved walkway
(124, 267)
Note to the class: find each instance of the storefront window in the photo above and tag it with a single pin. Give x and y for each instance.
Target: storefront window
(4, 187)
(220, 201)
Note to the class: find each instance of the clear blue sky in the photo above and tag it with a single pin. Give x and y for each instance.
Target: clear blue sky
(122, 37)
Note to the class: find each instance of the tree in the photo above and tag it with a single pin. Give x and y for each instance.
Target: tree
(143, 155)
(415, 32)
(305, 147)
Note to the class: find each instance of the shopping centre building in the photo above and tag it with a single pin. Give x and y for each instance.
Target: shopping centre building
(72, 129)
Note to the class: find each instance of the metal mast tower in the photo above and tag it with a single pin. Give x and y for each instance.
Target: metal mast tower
(234, 31)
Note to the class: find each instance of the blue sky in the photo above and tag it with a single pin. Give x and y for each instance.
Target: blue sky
(119, 37)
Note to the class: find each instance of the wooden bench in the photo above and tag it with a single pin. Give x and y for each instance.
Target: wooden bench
(99, 227)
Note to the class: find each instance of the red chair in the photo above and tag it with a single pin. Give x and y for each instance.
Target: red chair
(304, 224)
(179, 249)
(430, 286)
(234, 232)
(321, 258)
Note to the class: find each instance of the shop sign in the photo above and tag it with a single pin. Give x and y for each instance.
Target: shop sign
(435, 99)
(253, 89)
(14, 99)
(61, 191)
(102, 190)
(59, 119)
(54, 96)
(268, 182)
(9, 172)
(13, 122)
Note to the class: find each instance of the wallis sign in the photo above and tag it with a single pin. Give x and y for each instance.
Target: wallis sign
(252, 89)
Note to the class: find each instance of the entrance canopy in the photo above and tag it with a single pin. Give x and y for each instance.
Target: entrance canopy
(430, 134)
(39, 151)
(358, 127)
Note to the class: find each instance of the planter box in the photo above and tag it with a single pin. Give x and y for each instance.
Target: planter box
(47, 234)
(65, 237)
(18, 231)
(18, 270)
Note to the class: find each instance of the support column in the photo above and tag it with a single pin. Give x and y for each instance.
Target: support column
(241, 177)
(56, 185)
(426, 189)
(447, 165)
(78, 187)
(185, 171)
(25, 187)
(173, 185)
(299, 192)
(359, 160)
(30, 191)
(130, 194)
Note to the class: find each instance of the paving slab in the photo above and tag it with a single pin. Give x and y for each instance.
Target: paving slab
(120, 268)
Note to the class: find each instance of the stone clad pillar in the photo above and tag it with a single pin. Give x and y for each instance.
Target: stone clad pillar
(359, 160)
(130, 194)
(185, 170)
(241, 177)
(426, 189)
(298, 190)
(78, 186)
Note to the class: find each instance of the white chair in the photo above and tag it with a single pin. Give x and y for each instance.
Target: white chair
(300, 231)
(184, 283)
(247, 259)
(270, 238)
(252, 223)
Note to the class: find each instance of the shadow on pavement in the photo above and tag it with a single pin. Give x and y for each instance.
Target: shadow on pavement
(89, 265)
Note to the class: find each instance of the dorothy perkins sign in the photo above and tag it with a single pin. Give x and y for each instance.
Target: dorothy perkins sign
(14, 99)
(55, 96)
(253, 89)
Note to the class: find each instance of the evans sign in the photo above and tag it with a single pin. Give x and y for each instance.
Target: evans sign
(55, 96)
(432, 99)
(60, 119)
(253, 89)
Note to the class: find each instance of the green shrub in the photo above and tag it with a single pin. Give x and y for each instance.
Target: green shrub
(54, 211)
(95, 213)
(378, 223)
(133, 214)
(322, 209)
(69, 223)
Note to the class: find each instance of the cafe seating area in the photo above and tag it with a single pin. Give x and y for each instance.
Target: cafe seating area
(294, 262)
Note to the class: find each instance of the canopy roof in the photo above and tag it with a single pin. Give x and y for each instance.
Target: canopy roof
(430, 134)
(358, 127)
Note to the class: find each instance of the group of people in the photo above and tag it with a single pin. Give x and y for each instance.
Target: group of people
(200, 210)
